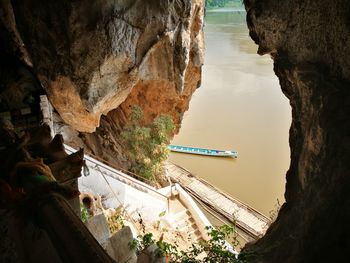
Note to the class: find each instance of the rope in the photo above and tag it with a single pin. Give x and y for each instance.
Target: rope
(111, 166)
(116, 196)
(134, 180)
(119, 168)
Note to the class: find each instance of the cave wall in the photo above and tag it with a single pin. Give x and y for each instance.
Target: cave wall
(89, 55)
(96, 59)
(310, 44)
(101, 57)
(156, 91)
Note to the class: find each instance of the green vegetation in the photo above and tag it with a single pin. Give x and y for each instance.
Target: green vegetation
(224, 3)
(115, 223)
(214, 250)
(84, 213)
(147, 145)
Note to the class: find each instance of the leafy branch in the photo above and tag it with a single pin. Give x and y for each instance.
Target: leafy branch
(214, 250)
(147, 145)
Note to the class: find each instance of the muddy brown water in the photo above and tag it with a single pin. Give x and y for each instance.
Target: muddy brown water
(239, 106)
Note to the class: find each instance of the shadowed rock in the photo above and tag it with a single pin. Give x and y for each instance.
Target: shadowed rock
(307, 41)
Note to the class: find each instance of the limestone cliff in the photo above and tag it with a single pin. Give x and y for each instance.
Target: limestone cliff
(310, 43)
(89, 56)
(167, 76)
(95, 56)
(100, 58)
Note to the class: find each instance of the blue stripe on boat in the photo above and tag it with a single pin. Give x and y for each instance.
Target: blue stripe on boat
(202, 151)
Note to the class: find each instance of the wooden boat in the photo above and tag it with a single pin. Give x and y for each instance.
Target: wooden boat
(202, 151)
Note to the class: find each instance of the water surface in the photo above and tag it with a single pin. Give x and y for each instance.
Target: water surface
(239, 106)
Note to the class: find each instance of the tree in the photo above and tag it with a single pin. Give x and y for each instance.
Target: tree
(216, 3)
(147, 145)
(223, 3)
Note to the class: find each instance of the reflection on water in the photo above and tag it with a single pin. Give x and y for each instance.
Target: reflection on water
(239, 106)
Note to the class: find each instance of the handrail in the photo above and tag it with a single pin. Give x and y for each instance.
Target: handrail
(120, 173)
(116, 196)
(119, 168)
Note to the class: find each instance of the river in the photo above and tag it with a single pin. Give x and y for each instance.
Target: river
(239, 106)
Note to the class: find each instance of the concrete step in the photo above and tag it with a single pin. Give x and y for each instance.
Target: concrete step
(174, 194)
(195, 232)
(180, 215)
(185, 224)
(198, 239)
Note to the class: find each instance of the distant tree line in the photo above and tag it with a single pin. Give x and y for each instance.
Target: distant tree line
(216, 3)
(222, 3)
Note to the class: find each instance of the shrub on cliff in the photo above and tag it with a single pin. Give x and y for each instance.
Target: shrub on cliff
(147, 145)
(214, 250)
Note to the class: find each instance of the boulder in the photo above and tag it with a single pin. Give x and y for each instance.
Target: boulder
(98, 227)
(118, 246)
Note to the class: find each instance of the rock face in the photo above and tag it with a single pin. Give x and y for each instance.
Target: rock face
(168, 73)
(90, 56)
(310, 43)
(95, 56)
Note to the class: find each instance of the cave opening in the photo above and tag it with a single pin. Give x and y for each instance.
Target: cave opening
(71, 55)
(239, 105)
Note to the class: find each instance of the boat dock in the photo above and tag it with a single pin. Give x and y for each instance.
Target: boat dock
(252, 223)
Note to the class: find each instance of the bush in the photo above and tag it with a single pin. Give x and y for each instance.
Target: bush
(147, 145)
(214, 250)
(84, 213)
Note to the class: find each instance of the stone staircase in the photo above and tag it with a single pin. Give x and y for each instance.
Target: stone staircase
(184, 223)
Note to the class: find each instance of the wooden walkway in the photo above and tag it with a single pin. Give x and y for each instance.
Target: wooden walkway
(250, 221)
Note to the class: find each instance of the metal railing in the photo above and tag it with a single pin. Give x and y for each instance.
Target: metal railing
(109, 167)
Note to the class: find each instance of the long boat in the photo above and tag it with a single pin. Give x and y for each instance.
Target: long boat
(202, 151)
